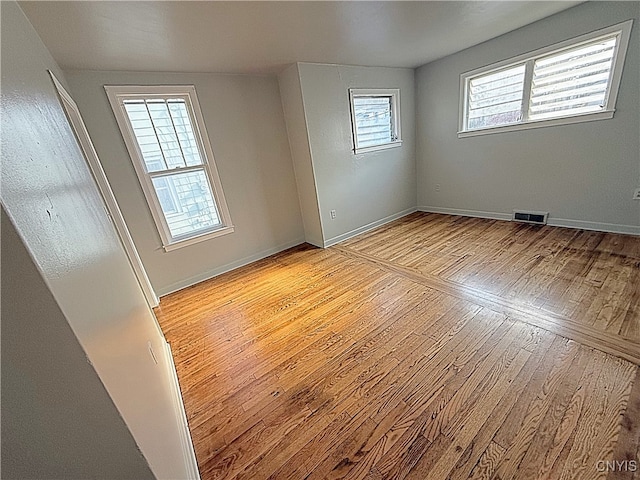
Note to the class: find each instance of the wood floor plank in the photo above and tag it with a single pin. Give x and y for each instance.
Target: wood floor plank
(476, 417)
(486, 434)
(345, 455)
(596, 436)
(557, 360)
(628, 445)
(486, 466)
(425, 418)
(551, 445)
(579, 331)
(619, 387)
(433, 347)
(357, 389)
(527, 450)
(436, 404)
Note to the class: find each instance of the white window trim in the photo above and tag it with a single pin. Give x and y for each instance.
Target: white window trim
(623, 30)
(394, 93)
(117, 94)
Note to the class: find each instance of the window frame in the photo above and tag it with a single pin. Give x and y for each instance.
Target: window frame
(621, 30)
(117, 95)
(394, 94)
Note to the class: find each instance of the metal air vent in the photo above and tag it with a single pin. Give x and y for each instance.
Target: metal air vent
(539, 218)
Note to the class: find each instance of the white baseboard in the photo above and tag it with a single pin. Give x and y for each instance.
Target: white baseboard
(598, 226)
(554, 222)
(228, 267)
(188, 452)
(466, 213)
(367, 227)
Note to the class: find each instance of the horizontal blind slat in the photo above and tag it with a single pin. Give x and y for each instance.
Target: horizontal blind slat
(584, 72)
(571, 83)
(577, 62)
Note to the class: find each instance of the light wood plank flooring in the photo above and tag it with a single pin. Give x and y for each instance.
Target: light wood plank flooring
(433, 347)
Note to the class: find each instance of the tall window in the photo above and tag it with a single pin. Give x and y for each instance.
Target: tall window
(569, 82)
(164, 132)
(375, 119)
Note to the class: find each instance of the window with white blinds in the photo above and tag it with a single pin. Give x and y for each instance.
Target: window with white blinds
(164, 132)
(496, 98)
(570, 82)
(375, 119)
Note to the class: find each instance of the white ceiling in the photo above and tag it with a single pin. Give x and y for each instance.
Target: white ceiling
(263, 37)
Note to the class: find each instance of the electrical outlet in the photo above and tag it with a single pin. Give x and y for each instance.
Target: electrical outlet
(636, 194)
(333, 214)
(437, 187)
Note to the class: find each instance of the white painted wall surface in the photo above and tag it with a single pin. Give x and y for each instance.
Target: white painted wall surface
(244, 119)
(365, 189)
(58, 420)
(50, 196)
(582, 174)
(291, 94)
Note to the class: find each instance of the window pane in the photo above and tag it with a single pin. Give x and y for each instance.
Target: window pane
(495, 99)
(163, 125)
(572, 82)
(192, 208)
(164, 133)
(166, 196)
(184, 131)
(145, 135)
(373, 121)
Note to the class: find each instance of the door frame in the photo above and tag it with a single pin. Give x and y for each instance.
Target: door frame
(113, 210)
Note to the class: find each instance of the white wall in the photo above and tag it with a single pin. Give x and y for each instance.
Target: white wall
(57, 418)
(51, 198)
(583, 174)
(244, 119)
(291, 93)
(365, 189)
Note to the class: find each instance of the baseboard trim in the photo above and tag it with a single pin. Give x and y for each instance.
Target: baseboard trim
(466, 213)
(367, 227)
(554, 222)
(188, 452)
(228, 267)
(600, 227)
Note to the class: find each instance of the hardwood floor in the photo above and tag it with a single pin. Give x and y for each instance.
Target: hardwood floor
(433, 347)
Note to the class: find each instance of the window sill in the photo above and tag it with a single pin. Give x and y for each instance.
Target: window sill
(199, 238)
(587, 117)
(375, 148)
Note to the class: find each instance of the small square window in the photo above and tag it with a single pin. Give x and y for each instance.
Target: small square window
(375, 119)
